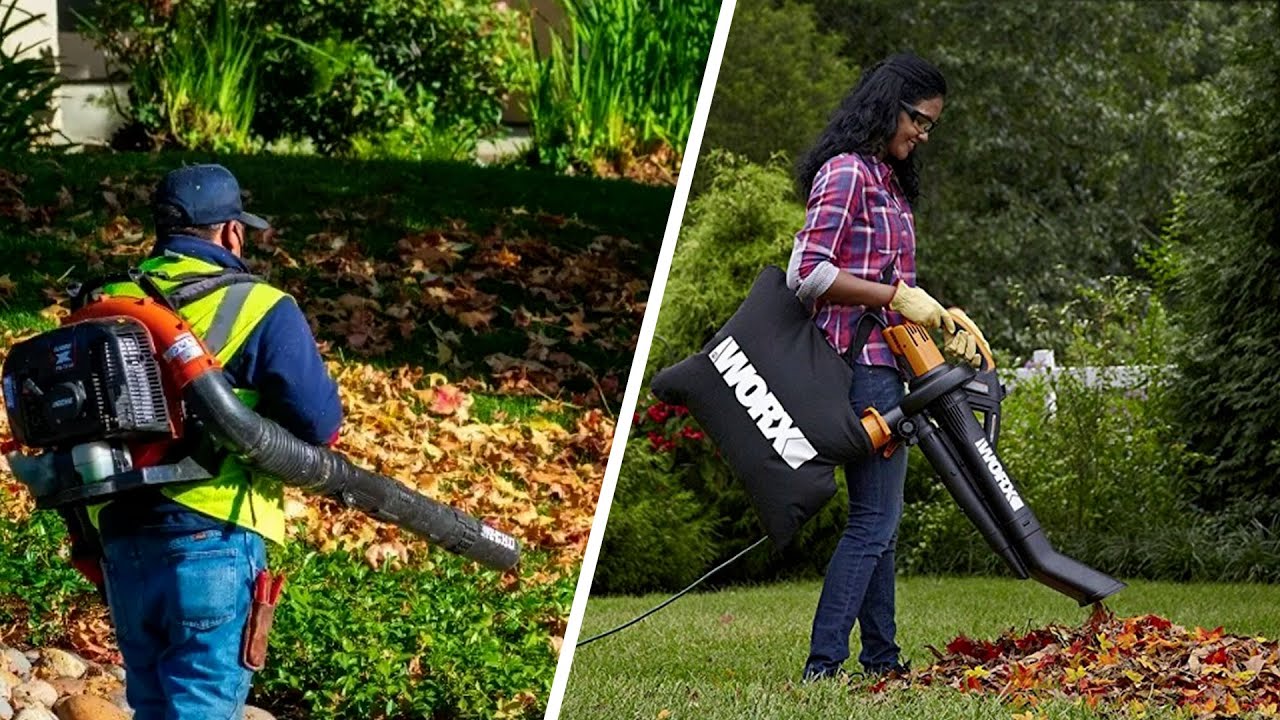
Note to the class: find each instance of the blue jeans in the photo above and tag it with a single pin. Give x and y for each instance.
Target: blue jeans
(859, 583)
(179, 603)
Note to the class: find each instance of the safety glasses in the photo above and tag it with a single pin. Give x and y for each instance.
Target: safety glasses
(924, 123)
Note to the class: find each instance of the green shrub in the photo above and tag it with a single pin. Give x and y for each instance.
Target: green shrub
(367, 69)
(660, 535)
(1226, 279)
(781, 78)
(623, 82)
(27, 85)
(744, 220)
(406, 78)
(38, 588)
(436, 638)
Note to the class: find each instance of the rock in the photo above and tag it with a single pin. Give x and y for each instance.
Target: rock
(17, 662)
(35, 713)
(31, 655)
(68, 686)
(8, 681)
(102, 686)
(60, 663)
(115, 671)
(253, 713)
(34, 693)
(6, 710)
(88, 707)
(119, 699)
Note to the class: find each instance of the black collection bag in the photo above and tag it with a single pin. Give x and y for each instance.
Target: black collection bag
(774, 397)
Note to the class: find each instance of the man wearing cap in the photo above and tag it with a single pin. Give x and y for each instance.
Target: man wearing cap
(180, 562)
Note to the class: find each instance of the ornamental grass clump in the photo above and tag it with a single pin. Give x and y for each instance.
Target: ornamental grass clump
(620, 83)
(208, 79)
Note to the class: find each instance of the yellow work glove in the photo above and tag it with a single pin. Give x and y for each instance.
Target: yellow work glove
(967, 342)
(920, 308)
(961, 344)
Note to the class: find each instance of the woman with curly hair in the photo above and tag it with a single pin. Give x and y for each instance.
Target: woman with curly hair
(856, 254)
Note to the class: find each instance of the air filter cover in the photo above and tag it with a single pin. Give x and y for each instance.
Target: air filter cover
(93, 380)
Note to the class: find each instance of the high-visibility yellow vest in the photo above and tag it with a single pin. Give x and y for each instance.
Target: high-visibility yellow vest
(224, 319)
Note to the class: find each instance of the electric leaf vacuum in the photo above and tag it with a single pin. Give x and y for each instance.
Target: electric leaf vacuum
(773, 396)
(123, 376)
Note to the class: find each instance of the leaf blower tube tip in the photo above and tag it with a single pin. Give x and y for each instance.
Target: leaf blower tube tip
(320, 471)
(1007, 511)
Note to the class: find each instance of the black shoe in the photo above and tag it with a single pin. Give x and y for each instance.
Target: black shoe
(896, 669)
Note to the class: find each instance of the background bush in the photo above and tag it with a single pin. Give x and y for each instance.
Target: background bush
(384, 78)
(439, 66)
(1222, 259)
(744, 220)
(782, 77)
(666, 538)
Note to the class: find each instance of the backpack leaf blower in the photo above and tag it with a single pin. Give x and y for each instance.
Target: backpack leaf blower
(125, 375)
(773, 396)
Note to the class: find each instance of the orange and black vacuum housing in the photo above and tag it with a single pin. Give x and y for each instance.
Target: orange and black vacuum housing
(772, 395)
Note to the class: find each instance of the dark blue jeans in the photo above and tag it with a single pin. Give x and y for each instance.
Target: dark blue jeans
(859, 583)
(179, 603)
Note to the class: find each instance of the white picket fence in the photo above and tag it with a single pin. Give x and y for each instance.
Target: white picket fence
(1118, 377)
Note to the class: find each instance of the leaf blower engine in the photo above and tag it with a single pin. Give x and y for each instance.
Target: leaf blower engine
(106, 395)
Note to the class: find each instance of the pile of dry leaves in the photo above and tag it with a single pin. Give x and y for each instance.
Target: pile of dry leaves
(1129, 664)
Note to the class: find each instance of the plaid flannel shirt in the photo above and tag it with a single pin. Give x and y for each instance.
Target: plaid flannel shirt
(857, 221)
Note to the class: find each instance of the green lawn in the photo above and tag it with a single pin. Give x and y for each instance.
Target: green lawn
(738, 653)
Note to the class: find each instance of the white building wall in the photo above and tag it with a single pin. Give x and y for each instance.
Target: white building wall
(39, 38)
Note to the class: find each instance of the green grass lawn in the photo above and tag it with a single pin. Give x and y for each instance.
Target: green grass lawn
(738, 653)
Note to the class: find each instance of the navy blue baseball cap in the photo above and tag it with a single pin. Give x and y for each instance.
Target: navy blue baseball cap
(200, 195)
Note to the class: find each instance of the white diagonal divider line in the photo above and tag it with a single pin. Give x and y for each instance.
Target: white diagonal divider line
(654, 303)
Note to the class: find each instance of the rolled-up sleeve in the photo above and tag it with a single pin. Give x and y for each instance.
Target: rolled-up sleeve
(813, 267)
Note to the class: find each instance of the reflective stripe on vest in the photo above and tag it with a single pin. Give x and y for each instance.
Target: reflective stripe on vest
(224, 319)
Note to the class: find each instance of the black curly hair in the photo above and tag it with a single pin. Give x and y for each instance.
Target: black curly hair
(867, 119)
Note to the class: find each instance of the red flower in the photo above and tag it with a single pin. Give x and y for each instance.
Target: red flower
(658, 413)
(680, 410)
(691, 433)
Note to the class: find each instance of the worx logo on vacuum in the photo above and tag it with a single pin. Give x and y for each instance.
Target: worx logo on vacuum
(997, 470)
(752, 392)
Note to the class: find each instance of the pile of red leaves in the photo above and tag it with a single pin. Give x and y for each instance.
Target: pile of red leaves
(1129, 664)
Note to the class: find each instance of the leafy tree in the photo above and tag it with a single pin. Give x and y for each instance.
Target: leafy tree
(1059, 146)
(1227, 279)
(780, 79)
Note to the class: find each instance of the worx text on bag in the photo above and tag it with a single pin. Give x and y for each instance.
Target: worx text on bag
(124, 372)
(772, 394)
